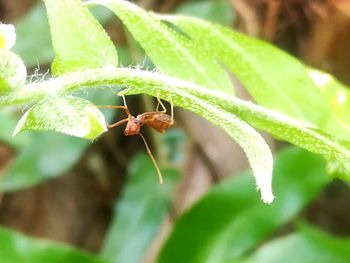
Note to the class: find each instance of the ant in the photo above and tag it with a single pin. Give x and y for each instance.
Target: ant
(158, 120)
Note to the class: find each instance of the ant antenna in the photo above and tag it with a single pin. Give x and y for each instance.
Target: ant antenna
(152, 158)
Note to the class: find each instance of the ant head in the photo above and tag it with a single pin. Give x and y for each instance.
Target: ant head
(132, 127)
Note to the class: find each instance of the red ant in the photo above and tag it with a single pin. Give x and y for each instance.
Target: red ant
(158, 120)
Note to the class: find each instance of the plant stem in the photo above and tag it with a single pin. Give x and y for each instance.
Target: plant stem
(187, 95)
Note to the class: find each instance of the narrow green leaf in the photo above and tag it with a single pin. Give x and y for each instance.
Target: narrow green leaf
(70, 115)
(139, 212)
(275, 79)
(280, 126)
(308, 246)
(229, 221)
(288, 129)
(13, 73)
(78, 39)
(254, 146)
(17, 248)
(172, 53)
(33, 43)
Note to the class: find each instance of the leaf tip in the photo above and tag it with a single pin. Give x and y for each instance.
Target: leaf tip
(16, 132)
(267, 196)
(264, 185)
(20, 124)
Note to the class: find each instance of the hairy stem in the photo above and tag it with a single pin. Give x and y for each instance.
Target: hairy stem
(135, 81)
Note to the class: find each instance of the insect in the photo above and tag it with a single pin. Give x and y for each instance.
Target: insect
(158, 120)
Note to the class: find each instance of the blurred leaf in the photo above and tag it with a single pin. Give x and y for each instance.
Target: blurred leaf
(139, 212)
(172, 53)
(13, 73)
(33, 35)
(274, 79)
(173, 143)
(45, 156)
(229, 220)
(89, 45)
(218, 11)
(308, 245)
(102, 14)
(17, 248)
(66, 114)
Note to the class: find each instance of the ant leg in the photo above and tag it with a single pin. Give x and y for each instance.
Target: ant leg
(126, 110)
(161, 104)
(157, 105)
(118, 123)
(125, 107)
(152, 158)
(164, 109)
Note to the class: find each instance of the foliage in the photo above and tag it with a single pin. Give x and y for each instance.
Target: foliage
(313, 245)
(229, 221)
(17, 248)
(59, 153)
(297, 104)
(228, 224)
(306, 129)
(138, 213)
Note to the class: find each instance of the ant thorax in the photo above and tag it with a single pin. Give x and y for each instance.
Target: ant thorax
(133, 126)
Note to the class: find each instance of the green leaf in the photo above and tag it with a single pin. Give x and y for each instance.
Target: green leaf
(139, 212)
(13, 73)
(280, 126)
(17, 248)
(78, 39)
(33, 43)
(218, 11)
(308, 245)
(229, 221)
(67, 114)
(254, 146)
(43, 156)
(172, 53)
(274, 79)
